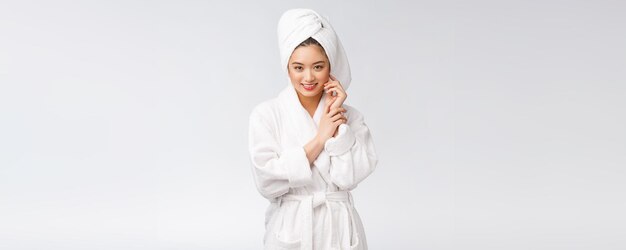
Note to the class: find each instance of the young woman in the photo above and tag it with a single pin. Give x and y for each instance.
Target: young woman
(308, 148)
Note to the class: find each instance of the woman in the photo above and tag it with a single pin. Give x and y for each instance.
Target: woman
(308, 148)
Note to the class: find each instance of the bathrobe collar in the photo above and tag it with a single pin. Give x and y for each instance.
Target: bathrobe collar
(301, 124)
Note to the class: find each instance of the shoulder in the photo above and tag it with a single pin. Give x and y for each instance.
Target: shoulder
(264, 111)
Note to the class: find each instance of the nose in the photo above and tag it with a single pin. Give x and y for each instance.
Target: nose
(308, 76)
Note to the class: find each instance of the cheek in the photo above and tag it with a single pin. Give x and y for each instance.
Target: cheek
(323, 76)
(295, 77)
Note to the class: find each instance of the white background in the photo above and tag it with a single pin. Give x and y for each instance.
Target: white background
(498, 124)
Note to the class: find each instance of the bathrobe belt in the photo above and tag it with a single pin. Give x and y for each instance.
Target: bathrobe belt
(309, 202)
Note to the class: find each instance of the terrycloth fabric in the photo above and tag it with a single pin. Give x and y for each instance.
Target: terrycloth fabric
(297, 25)
(297, 217)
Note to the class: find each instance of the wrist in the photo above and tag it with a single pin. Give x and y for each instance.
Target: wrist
(320, 141)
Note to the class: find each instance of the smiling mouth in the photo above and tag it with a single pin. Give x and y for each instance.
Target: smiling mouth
(308, 87)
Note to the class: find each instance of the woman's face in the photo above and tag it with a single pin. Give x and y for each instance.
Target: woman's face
(308, 70)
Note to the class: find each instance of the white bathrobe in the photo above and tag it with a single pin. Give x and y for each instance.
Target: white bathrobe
(308, 209)
(311, 206)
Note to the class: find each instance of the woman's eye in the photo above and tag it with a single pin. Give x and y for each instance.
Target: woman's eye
(318, 67)
(298, 68)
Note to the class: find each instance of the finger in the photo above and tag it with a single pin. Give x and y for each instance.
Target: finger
(330, 81)
(338, 122)
(333, 84)
(336, 90)
(337, 117)
(332, 77)
(329, 85)
(334, 111)
(330, 91)
(329, 100)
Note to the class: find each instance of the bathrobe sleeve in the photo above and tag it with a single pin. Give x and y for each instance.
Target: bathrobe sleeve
(274, 170)
(352, 153)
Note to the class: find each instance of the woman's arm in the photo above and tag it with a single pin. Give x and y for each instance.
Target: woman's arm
(313, 149)
(328, 127)
(351, 150)
(352, 153)
(275, 170)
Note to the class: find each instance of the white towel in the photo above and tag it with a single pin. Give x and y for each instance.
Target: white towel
(297, 25)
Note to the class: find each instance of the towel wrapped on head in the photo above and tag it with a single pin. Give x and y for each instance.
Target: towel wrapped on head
(297, 25)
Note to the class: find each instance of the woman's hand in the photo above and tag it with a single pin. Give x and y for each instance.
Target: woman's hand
(330, 121)
(335, 86)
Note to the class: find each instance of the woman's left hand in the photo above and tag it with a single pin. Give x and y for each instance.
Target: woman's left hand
(340, 97)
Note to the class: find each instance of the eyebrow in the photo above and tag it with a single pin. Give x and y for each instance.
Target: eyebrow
(313, 63)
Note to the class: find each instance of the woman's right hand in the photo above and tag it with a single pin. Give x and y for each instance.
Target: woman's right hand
(330, 121)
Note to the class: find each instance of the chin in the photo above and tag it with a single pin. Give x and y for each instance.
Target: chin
(309, 93)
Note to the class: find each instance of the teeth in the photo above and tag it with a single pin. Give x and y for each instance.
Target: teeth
(309, 86)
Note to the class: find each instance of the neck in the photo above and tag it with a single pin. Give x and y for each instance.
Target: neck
(310, 103)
